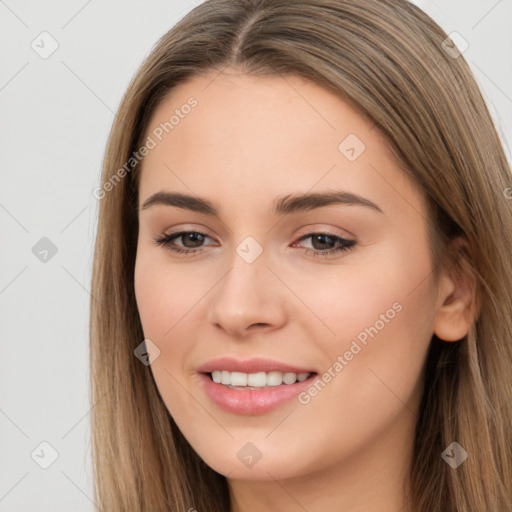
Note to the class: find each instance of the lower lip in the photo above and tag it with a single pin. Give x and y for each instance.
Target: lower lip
(252, 401)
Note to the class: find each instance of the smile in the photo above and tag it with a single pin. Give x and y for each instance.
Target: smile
(257, 380)
(253, 400)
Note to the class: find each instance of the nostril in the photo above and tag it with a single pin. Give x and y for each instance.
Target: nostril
(259, 323)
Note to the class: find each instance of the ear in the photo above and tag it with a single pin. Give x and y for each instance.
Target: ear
(457, 307)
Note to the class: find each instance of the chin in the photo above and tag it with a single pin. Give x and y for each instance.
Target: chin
(243, 460)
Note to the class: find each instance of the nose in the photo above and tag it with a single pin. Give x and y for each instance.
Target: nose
(248, 299)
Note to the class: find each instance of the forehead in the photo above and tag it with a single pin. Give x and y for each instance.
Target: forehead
(240, 104)
(250, 136)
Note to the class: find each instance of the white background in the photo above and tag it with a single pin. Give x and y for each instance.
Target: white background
(55, 116)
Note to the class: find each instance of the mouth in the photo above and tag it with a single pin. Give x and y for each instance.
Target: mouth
(258, 380)
(254, 393)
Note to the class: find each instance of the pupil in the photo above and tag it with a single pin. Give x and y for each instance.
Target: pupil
(192, 236)
(322, 237)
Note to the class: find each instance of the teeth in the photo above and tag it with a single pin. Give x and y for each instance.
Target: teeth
(257, 380)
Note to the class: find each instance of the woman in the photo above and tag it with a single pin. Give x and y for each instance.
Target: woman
(301, 295)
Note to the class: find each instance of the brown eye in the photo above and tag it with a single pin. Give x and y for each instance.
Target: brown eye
(191, 241)
(193, 238)
(323, 243)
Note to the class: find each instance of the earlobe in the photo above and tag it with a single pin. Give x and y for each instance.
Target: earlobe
(457, 309)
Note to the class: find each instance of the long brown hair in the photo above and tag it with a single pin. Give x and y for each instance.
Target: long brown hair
(387, 58)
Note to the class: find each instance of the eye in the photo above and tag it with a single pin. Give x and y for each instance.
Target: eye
(192, 241)
(326, 238)
(194, 238)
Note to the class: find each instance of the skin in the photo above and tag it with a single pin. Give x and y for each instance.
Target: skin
(248, 141)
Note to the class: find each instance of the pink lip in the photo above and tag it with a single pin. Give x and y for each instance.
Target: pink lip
(252, 401)
(254, 365)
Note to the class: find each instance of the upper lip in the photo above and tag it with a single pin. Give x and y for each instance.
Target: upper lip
(253, 365)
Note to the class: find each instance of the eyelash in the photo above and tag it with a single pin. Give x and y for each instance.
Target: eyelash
(166, 239)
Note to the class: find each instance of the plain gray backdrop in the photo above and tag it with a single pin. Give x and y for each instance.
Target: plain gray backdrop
(57, 105)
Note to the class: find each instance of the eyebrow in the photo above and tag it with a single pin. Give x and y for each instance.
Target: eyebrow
(282, 205)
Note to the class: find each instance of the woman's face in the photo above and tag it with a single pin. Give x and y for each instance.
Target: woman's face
(260, 284)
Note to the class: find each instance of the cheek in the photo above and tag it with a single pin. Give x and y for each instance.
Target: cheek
(163, 295)
(372, 370)
(150, 294)
(382, 315)
(163, 301)
(363, 291)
